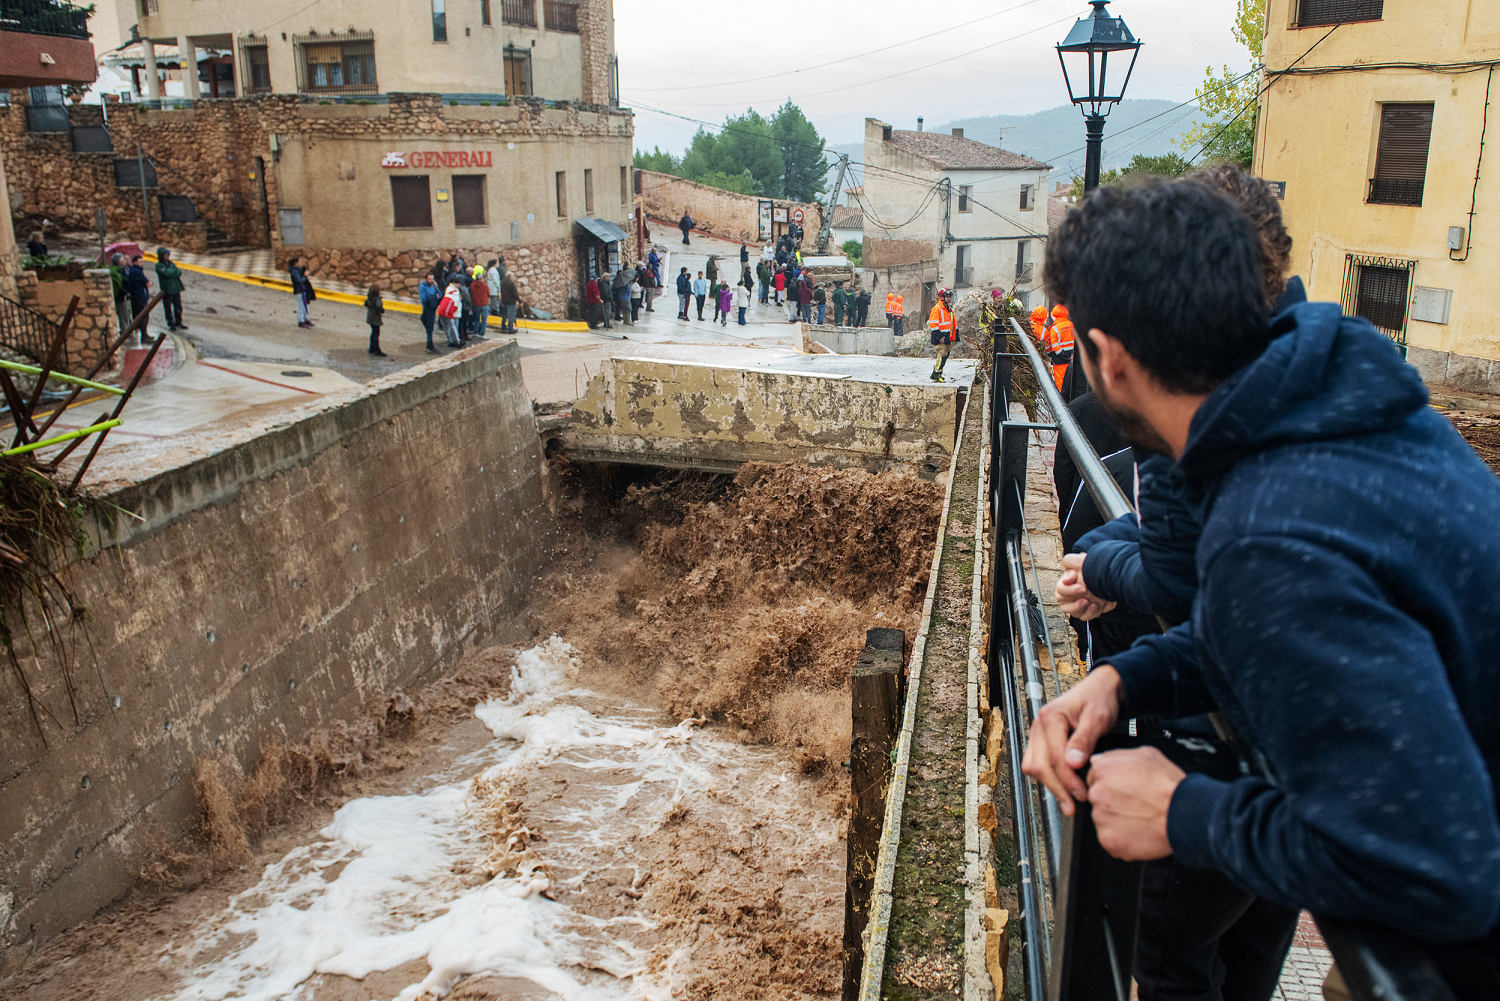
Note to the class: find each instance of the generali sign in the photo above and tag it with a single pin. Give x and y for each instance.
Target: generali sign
(431, 158)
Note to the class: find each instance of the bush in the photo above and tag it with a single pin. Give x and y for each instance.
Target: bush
(854, 250)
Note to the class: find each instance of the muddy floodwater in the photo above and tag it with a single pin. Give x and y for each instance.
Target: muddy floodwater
(645, 801)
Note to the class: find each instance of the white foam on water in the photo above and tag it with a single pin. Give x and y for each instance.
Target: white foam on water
(397, 879)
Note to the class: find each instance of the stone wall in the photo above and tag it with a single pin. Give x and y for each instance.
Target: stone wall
(47, 178)
(715, 211)
(277, 583)
(94, 325)
(545, 272)
(231, 195)
(715, 417)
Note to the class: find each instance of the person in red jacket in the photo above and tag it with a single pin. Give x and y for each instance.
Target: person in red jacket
(780, 283)
(594, 303)
(479, 297)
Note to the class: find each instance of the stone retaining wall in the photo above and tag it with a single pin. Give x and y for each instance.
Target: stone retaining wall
(276, 583)
(94, 325)
(715, 211)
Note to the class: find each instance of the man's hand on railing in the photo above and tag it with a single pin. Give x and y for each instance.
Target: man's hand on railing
(1131, 792)
(1065, 732)
(1073, 595)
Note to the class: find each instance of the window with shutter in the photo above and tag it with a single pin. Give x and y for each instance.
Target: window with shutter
(1310, 13)
(1401, 154)
(468, 200)
(412, 200)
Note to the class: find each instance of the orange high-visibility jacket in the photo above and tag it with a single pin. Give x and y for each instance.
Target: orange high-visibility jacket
(1062, 329)
(890, 303)
(1039, 323)
(1060, 338)
(900, 305)
(942, 319)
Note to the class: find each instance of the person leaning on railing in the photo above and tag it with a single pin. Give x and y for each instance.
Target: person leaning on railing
(1348, 611)
(1200, 937)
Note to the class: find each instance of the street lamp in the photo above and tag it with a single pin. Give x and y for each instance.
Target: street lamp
(1088, 46)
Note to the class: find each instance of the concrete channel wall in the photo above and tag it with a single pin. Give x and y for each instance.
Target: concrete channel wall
(290, 579)
(700, 416)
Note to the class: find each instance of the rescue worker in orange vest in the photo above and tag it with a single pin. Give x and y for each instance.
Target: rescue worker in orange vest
(900, 322)
(1059, 344)
(890, 310)
(942, 328)
(1039, 324)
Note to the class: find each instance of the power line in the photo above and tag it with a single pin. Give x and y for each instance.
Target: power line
(841, 59)
(1256, 99)
(929, 65)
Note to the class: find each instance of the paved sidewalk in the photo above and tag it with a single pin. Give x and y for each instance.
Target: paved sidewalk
(1307, 964)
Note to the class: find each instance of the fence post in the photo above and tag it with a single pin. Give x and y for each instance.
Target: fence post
(876, 714)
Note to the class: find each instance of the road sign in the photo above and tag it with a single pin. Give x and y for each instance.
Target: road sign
(797, 215)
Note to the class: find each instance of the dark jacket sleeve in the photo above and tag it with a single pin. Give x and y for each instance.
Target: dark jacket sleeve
(1381, 807)
(1161, 675)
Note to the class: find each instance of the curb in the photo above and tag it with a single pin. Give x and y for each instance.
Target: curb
(392, 304)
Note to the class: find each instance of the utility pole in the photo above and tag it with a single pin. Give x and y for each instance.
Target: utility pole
(825, 232)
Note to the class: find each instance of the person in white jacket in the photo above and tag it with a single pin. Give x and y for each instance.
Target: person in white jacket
(451, 309)
(741, 300)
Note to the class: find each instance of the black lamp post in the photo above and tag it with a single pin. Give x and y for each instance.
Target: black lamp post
(1089, 47)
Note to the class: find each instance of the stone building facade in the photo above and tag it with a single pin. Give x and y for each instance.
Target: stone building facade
(369, 192)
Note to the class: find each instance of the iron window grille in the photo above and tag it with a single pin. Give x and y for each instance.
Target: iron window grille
(562, 16)
(519, 12)
(336, 64)
(1379, 289)
(46, 17)
(1312, 13)
(255, 63)
(177, 208)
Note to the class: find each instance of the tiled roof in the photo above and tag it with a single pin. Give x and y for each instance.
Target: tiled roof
(950, 152)
(848, 217)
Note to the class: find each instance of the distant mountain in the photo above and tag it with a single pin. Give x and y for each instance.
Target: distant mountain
(1055, 136)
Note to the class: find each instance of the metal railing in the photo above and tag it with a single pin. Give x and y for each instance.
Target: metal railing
(45, 17)
(1080, 905)
(1387, 192)
(520, 12)
(25, 330)
(562, 16)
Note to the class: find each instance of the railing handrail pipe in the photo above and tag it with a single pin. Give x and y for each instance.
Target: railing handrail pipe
(1108, 496)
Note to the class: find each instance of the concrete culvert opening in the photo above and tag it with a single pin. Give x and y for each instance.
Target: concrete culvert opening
(644, 795)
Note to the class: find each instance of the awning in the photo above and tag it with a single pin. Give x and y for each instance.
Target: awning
(606, 232)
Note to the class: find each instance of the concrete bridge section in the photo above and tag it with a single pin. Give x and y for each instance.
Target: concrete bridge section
(759, 406)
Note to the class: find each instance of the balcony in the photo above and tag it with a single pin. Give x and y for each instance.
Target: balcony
(41, 17)
(518, 12)
(1025, 273)
(963, 277)
(44, 43)
(562, 16)
(1384, 191)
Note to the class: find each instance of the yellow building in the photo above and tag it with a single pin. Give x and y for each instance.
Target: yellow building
(1374, 114)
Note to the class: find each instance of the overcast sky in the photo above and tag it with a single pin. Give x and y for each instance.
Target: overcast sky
(685, 56)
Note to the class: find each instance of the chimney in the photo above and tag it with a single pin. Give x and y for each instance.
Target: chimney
(958, 133)
(919, 123)
(885, 131)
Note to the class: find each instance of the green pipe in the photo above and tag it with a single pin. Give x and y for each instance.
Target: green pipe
(80, 433)
(16, 366)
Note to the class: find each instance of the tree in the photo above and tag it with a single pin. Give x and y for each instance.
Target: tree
(780, 157)
(804, 176)
(854, 250)
(1140, 166)
(1227, 132)
(662, 163)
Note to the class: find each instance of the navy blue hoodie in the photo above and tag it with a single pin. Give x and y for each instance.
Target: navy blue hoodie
(1348, 625)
